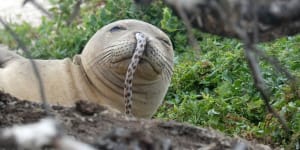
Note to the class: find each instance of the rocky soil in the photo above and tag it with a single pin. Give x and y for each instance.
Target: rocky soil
(103, 129)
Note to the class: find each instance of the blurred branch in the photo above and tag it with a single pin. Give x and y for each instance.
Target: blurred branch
(252, 21)
(187, 23)
(252, 56)
(260, 84)
(275, 18)
(39, 6)
(75, 12)
(33, 64)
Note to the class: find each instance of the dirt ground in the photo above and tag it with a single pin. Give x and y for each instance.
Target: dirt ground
(105, 130)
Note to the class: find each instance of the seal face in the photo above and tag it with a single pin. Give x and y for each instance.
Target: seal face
(98, 74)
(109, 53)
(113, 46)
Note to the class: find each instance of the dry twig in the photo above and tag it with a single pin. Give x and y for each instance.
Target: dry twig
(75, 12)
(39, 7)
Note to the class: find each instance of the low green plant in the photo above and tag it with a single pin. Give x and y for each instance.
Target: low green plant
(214, 89)
(217, 90)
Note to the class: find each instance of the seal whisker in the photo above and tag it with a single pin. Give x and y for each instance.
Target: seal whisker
(169, 74)
(118, 43)
(164, 61)
(162, 56)
(167, 69)
(106, 56)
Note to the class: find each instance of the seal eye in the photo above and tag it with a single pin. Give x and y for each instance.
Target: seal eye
(165, 41)
(116, 28)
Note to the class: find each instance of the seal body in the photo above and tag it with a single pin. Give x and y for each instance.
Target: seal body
(98, 73)
(64, 82)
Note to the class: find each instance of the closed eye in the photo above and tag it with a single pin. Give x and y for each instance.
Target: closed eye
(165, 41)
(116, 28)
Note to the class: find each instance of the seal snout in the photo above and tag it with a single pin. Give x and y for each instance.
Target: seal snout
(149, 57)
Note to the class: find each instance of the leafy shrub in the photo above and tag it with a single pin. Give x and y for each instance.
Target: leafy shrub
(217, 90)
(214, 89)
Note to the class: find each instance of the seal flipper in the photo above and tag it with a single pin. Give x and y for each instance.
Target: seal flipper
(7, 56)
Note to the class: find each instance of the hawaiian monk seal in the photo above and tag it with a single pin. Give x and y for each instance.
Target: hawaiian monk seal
(98, 74)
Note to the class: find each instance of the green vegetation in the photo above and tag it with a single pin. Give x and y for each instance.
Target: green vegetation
(214, 89)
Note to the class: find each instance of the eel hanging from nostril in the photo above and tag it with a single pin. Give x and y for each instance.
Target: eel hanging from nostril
(139, 50)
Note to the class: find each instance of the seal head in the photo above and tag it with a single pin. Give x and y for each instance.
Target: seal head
(106, 57)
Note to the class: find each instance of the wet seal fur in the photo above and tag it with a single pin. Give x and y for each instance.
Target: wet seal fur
(98, 73)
